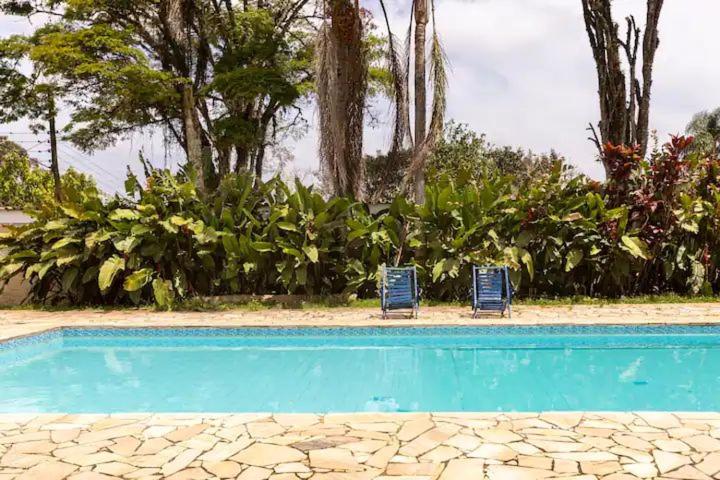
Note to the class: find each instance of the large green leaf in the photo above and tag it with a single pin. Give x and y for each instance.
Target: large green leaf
(68, 259)
(287, 226)
(301, 276)
(69, 278)
(312, 253)
(127, 245)
(10, 269)
(109, 270)
(262, 247)
(163, 293)
(179, 221)
(573, 259)
(124, 214)
(527, 259)
(636, 247)
(64, 242)
(292, 251)
(98, 236)
(44, 268)
(57, 224)
(438, 270)
(137, 280)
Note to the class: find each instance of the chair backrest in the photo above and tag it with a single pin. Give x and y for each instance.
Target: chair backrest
(400, 287)
(488, 283)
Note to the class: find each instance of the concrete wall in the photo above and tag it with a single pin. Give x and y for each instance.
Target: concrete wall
(17, 290)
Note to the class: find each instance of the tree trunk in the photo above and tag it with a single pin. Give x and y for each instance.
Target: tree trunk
(651, 42)
(624, 109)
(54, 164)
(342, 84)
(421, 21)
(603, 34)
(259, 160)
(223, 161)
(241, 162)
(193, 140)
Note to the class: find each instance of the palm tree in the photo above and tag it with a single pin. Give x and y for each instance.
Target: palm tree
(425, 136)
(341, 88)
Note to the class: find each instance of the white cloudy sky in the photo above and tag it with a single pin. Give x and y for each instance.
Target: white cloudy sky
(521, 71)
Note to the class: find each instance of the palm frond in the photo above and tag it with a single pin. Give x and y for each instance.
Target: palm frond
(399, 74)
(406, 62)
(438, 74)
(331, 133)
(341, 72)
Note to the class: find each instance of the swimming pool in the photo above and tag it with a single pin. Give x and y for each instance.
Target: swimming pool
(613, 368)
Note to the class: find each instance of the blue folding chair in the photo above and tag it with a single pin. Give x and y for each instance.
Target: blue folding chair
(491, 290)
(399, 291)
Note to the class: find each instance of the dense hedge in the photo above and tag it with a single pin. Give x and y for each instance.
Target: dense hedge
(653, 227)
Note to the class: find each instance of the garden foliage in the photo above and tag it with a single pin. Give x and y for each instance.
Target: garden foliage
(24, 183)
(653, 227)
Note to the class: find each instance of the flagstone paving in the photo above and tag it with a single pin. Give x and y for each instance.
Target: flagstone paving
(361, 446)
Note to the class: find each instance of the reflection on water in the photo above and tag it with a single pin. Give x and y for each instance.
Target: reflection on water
(328, 378)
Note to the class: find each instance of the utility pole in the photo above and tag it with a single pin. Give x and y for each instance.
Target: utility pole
(54, 165)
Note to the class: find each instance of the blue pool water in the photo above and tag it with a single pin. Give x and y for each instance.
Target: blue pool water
(381, 369)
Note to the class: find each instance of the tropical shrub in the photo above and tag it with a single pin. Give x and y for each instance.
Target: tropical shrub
(653, 227)
(464, 156)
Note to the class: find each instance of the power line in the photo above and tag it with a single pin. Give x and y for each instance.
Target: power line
(112, 181)
(105, 183)
(97, 171)
(101, 183)
(108, 180)
(24, 133)
(32, 149)
(90, 160)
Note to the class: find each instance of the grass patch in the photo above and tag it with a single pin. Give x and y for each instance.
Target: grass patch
(637, 300)
(255, 305)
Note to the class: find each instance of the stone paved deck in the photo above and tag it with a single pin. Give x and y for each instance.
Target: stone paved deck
(420, 446)
(361, 446)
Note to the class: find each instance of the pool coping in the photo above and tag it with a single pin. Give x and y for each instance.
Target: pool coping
(240, 326)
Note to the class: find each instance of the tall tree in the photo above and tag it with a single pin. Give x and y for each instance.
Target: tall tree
(341, 91)
(28, 93)
(624, 96)
(180, 15)
(342, 81)
(425, 136)
(221, 78)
